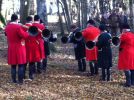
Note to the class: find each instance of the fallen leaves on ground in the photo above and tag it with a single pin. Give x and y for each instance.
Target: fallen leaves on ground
(62, 81)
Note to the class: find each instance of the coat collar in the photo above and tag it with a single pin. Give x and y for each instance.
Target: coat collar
(14, 23)
(36, 22)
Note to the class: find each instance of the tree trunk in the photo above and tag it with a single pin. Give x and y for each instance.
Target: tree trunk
(64, 16)
(67, 13)
(84, 12)
(78, 6)
(101, 6)
(131, 13)
(1, 5)
(24, 8)
(42, 10)
(31, 10)
(114, 4)
(60, 20)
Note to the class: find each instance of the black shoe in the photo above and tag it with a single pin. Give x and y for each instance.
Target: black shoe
(14, 81)
(38, 71)
(125, 85)
(96, 73)
(20, 82)
(31, 77)
(90, 74)
(102, 80)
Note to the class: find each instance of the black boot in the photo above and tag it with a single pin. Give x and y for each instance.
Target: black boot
(39, 64)
(108, 74)
(80, 65)
(91, 68)
(83, 65)
(95, 68)
(103, 75)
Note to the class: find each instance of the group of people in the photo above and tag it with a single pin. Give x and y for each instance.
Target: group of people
(27, 49)
(100, 55)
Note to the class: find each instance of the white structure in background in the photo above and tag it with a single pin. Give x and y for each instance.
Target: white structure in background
(9, 7)
(12, 6)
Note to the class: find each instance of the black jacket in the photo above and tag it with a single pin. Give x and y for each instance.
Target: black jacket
(79, 46)
(104, 52)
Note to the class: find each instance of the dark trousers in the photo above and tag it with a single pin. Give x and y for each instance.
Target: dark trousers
(44, 64)
(129, 77)
(106, 74)
(20, 73)
(31, 69)
(82, 65)
(93, 67)
(25, 68)
(39, 65)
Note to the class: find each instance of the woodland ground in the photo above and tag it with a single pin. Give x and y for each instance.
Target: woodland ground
(62, 81)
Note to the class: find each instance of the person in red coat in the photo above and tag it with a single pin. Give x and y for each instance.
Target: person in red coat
(91, 33)
(126, 55)
(32, 49)
(40, 39)
(16, 48)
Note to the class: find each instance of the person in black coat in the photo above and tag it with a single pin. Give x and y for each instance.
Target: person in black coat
(79, 48)
(47, 37)
(104, 53)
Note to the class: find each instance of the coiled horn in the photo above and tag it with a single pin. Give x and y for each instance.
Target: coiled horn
(90, 44)
(33, 31)
(46, 33)
(116, 40)
(64, 39)
(78, 36)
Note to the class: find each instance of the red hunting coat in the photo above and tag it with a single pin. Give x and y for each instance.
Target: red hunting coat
(32, 48)
(16, 44)
(40, 39)
(126, 53)
(90, 34)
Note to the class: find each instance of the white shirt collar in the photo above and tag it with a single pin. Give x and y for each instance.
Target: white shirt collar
(36, 22)
(13, 22)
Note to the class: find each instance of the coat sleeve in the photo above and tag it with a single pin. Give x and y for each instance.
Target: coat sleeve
(123, 37)
(103, 40)
(22, 33)
(100, 42)
(84, 34)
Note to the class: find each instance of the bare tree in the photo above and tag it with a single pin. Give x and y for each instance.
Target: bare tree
(31, 9)
(131, 13)
(84, 12)
(42, 10)
(60, 19)
(24, 8)
(1, 5)
(67, 13)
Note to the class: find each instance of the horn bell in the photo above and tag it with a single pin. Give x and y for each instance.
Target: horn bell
(90, 44)
(33, 31)
(46, 33)
(78, 36)
(116, 41)
(64, 39)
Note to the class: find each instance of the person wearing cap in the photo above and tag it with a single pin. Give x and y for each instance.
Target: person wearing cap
(91, 33)
(16, 48)
(104, 53)
(79, 47)
(41, 27)
(126, 55)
